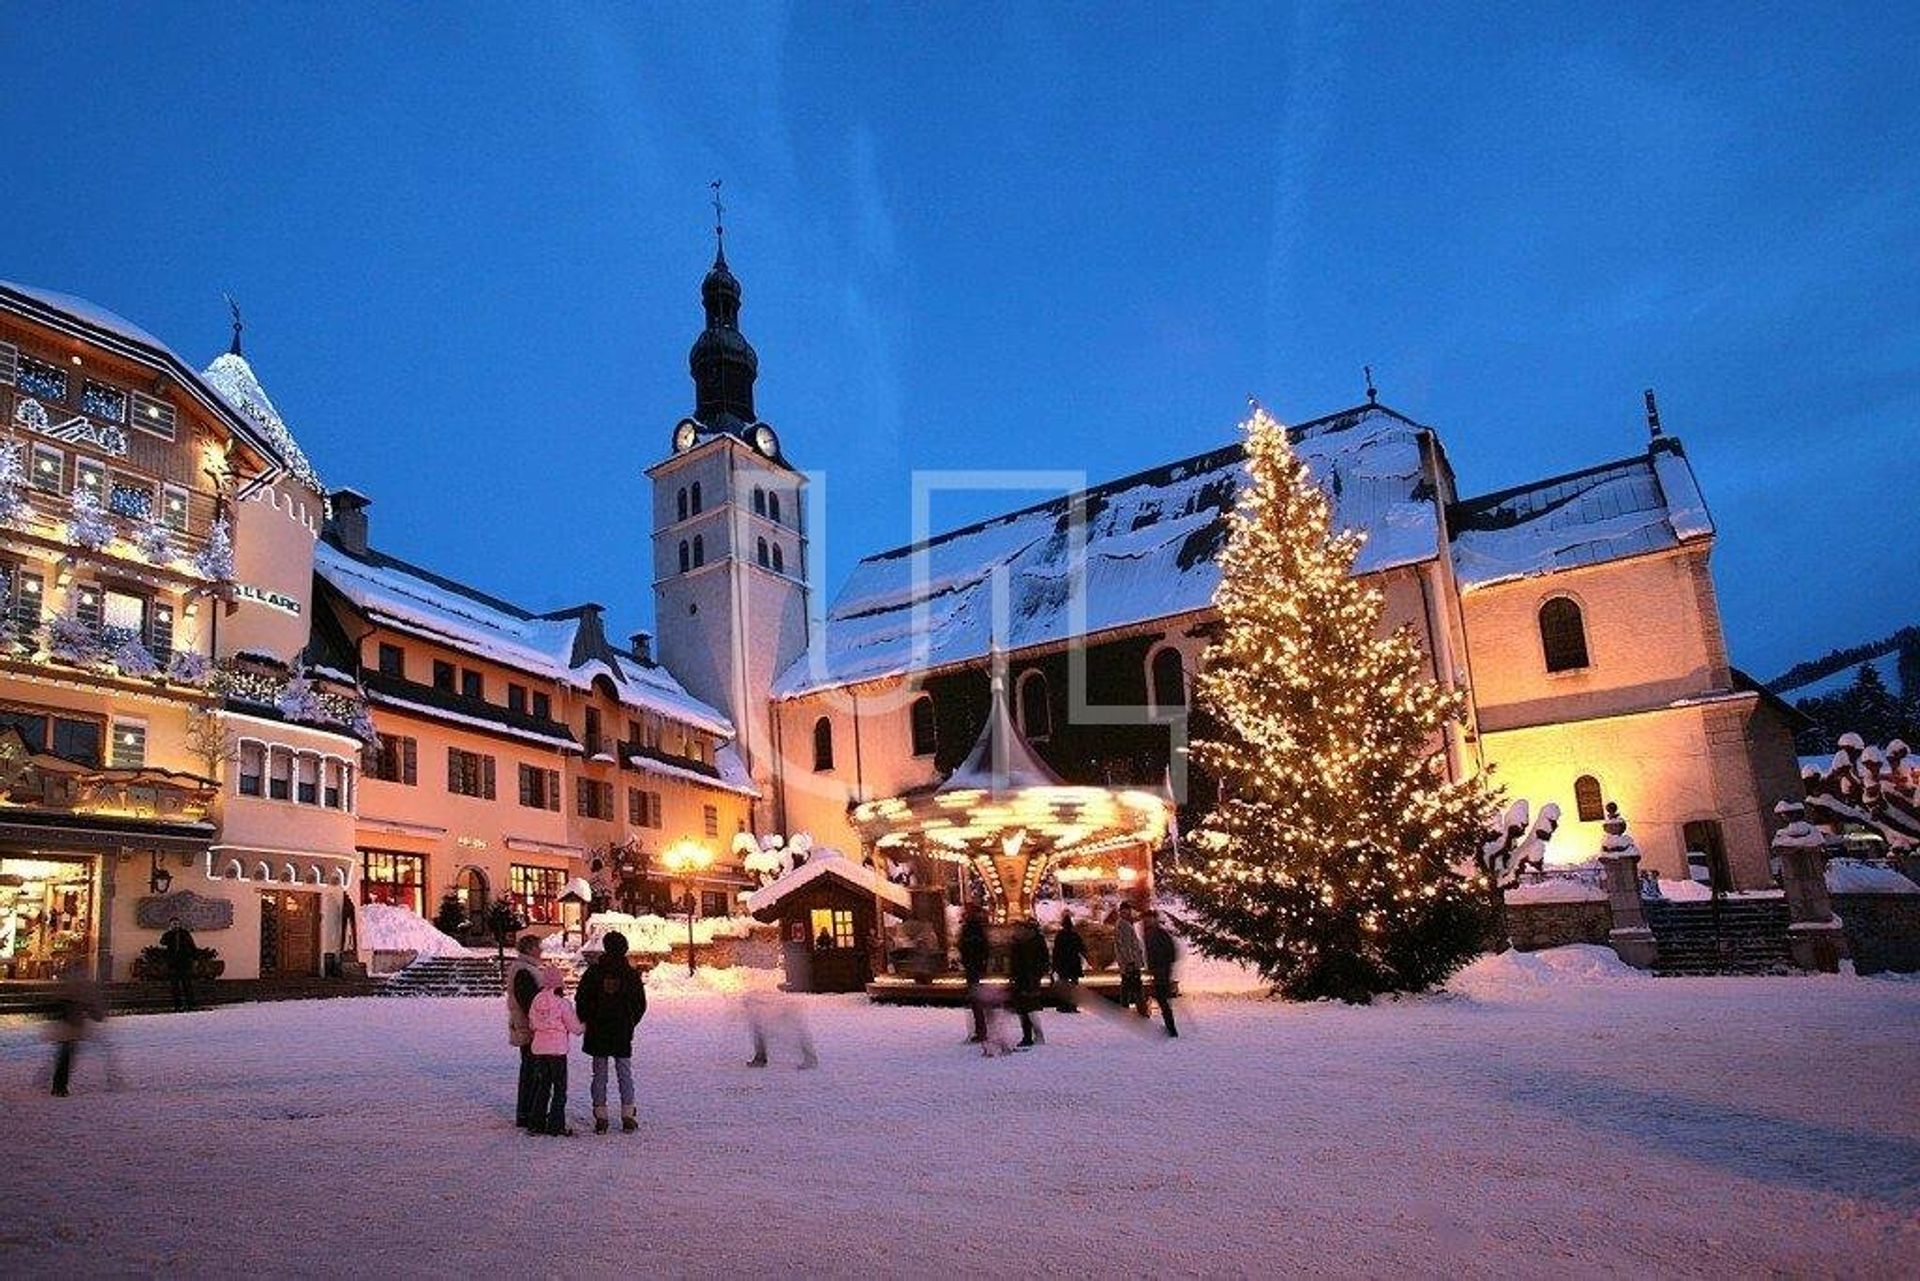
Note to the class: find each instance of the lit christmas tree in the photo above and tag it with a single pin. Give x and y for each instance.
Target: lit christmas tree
(1326, 862)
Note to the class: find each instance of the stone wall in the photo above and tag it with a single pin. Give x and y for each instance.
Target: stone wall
(1533, 926)
(1883, 931)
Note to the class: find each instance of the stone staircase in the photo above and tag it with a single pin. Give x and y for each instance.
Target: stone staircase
(462, 976)
(1738, 936)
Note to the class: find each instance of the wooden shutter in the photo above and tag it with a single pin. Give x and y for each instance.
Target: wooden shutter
(553, 790)
(526, 786)
(486, 777)
(453, 770)
(409, 761)
(9, 361)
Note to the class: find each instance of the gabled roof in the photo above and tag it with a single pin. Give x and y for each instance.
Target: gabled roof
(1630, 507)
(763, 902)
(251, 415)
(1150, 542)
(566, 645)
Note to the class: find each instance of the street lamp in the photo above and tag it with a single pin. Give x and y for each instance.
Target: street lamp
(684, 858)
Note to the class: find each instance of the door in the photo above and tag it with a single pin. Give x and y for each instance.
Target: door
(1703, 838)
(289, 934)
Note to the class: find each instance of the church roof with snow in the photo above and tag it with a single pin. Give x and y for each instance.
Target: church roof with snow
(1627, 508)
(227, 387)
(1144, 548)
(567, 645)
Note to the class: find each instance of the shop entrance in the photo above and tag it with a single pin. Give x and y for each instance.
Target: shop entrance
(289, 934)
(46, 915)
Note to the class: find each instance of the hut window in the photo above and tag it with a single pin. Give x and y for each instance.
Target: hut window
(923, 728)
(1169, 679)
(1563, 635)
(822, 745)
(1036, 718)
(833, 924)
(1586, 799)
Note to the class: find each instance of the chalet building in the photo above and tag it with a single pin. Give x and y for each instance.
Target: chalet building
(1577, 613)
(516, 751)
(159, 756)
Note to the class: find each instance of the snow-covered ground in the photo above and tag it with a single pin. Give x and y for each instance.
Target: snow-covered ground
(1555, 1115)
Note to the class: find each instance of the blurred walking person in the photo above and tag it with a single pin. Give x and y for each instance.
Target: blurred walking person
(1069, 963)
(76, 1003)
(1026, 971)
(1131, 958)
(611, 1002)
(1161, 953)
(974, 951)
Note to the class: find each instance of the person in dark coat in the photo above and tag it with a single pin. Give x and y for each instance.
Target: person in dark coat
(1026, 970)
(1069, 962)
(974, 950)
(76, 1003)
(1161, 954)
(611, 1002)
(180, 951)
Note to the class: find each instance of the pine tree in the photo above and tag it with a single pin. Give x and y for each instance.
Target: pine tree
(1326, 860)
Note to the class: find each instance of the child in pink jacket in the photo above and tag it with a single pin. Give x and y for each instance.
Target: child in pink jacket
(553, 1021)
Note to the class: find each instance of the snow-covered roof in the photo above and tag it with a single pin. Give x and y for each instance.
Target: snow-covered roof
(1887, 664)
(234, 379)
(827, 862)
(410, 599)
(1619, 509)
(1146, 550)
(227, 385)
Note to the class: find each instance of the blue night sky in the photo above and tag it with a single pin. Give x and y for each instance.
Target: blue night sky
(469, 241)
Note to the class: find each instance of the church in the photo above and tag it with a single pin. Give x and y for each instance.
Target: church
(1577, 613)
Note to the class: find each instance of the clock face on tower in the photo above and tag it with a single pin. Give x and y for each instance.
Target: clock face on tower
(765, 441)
(683, 436)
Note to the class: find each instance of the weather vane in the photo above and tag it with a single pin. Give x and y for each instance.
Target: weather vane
(719, 212)
(238, 325)
(1373, 393)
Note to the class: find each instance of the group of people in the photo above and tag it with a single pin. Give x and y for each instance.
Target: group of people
(1142, 947)
(542, 1022)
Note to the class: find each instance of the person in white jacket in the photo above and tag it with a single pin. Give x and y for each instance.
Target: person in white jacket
(554, 1024)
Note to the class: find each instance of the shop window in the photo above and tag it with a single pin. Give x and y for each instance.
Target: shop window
(832, 927)
(398, 880)
(1036, 717)
(822, 745)
(1563, 635)
(1167, 674)
(1587, 799)
(129, 750)
(253, 768)
(46, 916)
(922, 726)
(393, 661)
(537, 890)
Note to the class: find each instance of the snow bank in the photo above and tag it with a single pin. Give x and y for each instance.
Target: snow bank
(1582, 887)
(1855, 876)
(1515, 975)
(656, 935)
(672, 981)
(384, 928)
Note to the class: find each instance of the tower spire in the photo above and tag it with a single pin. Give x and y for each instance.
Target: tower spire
(719, 226)
(238, 325)
(723, 362)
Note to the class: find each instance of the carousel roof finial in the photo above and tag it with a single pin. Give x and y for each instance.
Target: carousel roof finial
(1002, 760)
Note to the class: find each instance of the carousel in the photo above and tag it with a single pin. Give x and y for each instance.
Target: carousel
(1004, 814)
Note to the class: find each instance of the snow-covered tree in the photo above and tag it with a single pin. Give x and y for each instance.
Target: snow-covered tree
(71, 641)
(88, 525)
(122, 647)
(215, 560)
(1327, 860)
(154, 540)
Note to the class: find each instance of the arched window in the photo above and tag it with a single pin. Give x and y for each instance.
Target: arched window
(696, 497)
(686, 557)
(779, 561)
(759, 501)
(1167, 674)
(760, 554)
(699, 551)
(1563, 635)
(822, 745)
(1036, 718)
(773, 507)
(680, 502)
(920, 718)
(1587, 800)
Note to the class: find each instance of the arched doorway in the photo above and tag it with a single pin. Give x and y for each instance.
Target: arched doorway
(470, 888)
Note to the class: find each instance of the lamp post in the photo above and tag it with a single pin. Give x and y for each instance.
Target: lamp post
(684, 858)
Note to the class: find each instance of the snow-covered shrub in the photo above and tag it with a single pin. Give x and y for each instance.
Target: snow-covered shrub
(88, 525)
(129, 657)
(215, 560)
(71, 641)
(153, 540)
(189, 668)
(299, 701)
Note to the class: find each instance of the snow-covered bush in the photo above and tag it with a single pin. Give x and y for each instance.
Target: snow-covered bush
(88, 526)
(188, 667)
(153, 540)
(215, 560)
(71, 641)
(129, 657)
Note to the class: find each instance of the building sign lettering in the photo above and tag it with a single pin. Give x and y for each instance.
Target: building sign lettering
(272, 600)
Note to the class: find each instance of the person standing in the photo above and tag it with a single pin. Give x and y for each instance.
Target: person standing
(974, 951)
(1131, 958)
(1161, 954)
(526, 976)
(554, 1025)
(1026, 970)
(1069, 962)
(611, 1002)
(180, 951)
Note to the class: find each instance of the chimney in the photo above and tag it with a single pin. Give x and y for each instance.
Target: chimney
(640, 645)
(348, 524)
